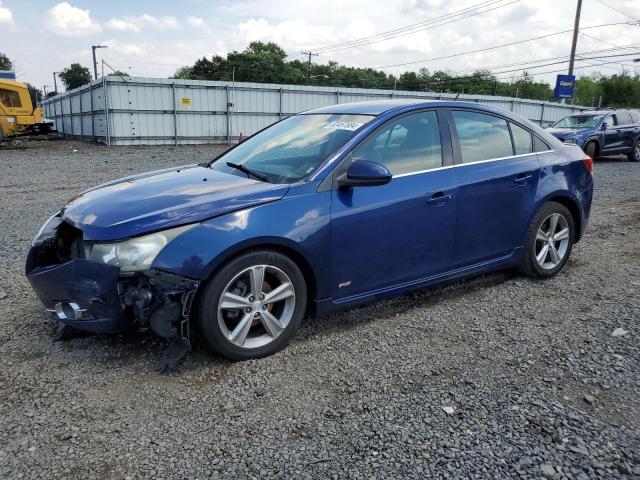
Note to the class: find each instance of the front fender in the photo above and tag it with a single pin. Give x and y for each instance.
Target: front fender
(299, 222)
(591, 138)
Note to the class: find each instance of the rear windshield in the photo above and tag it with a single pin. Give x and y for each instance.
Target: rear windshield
(291, 149)
(579, 121)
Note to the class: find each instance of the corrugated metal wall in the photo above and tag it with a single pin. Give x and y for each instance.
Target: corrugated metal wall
(165, 111)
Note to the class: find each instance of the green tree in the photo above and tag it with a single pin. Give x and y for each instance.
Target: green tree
(410, 81)
(5, 63)
(183, 73)
(74, 76)
(587, 91)
(620, 90)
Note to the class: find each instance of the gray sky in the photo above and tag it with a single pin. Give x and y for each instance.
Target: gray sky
(153, 38)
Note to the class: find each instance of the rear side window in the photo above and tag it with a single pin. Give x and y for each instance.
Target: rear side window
(624, 118)
(482, 136)
(522, 141)
(407, 145)
(9, 98)
(635, 116)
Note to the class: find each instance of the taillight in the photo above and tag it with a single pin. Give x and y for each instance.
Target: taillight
(588, 164)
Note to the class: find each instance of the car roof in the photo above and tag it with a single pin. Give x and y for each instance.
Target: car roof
(378, 107)
(599, 112)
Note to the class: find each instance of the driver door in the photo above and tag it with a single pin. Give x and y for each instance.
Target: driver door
(390, 235)
(611, 135)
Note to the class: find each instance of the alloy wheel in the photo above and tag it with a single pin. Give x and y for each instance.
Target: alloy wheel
(256, 306)
(636, 152)
(552, 241)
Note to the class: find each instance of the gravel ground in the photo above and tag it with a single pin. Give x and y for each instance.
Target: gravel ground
(498, 376)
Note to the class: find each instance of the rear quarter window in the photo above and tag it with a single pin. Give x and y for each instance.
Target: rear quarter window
(540, 145)
(522, 139)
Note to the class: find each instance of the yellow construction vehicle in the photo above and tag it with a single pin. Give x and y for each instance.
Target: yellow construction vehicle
(19, 112)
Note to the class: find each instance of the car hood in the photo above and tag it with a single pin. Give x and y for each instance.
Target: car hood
(163, 199)
(566, 132)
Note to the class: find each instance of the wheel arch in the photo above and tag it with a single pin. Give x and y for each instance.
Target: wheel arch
(277, 245)
(573, 207)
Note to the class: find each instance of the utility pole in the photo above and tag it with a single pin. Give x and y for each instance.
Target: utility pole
(95, 63)
(574, 43)
(55, 82)
(310, 54)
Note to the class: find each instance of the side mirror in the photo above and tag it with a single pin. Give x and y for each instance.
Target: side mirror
(604, 126)
(362, 173)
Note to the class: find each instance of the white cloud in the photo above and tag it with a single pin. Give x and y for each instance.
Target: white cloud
(136, 24)
(66, 20)
(123, 25)
(197, 22)
(6, 17)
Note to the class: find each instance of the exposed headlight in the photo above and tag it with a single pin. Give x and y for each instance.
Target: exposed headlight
(46, 230)
(570, 141)
(138, 253)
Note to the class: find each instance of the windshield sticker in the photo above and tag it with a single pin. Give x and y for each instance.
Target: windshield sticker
(345, 125)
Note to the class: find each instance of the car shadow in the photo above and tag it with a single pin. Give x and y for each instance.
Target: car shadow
(135, 349)
(612, 159)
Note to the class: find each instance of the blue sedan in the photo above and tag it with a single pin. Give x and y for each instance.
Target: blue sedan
(319, 212)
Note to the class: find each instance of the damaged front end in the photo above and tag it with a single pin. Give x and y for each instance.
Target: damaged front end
(87, 294)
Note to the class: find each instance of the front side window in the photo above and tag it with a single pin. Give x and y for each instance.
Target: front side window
(482, 136)
(521, 139)
(10, 99)
(611, 120)
(624, 118)
(291, 149)
(407, 145)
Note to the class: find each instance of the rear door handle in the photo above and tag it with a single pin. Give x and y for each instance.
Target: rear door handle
(522, 179)
(439, 198)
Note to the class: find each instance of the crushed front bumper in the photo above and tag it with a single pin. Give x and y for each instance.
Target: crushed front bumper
(95, 297)
(81, 294)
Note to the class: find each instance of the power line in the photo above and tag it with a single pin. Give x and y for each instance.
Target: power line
(480, 50)
(600, 40)
(405, 28)
(564, 57)
(616, 10)
(463, 80)
(464, 13)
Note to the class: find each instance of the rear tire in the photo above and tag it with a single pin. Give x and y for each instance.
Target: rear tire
(634, 154)
(591, 149)
(548, 241)
(234, 314)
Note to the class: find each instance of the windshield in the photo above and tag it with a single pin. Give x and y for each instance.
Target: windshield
(579, 121)
(291, 149)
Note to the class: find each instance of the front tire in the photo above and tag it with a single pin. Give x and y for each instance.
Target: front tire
(252, 306)
(634, 154)
(548, 242)
(591, 149)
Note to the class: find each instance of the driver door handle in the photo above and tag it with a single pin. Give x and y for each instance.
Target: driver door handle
(439, 198)
(522, 179)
